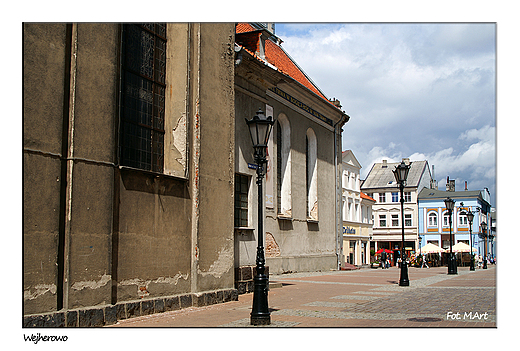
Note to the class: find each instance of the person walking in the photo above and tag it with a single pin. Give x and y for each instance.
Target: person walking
(480, 261)
(424, 263)
(383, 259)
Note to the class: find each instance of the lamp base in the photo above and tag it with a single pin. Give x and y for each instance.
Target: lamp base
(261, 320)
(260, 314)
(404, 275)
(452, 265)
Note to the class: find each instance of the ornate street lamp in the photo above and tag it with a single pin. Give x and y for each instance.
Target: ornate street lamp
(470, 216)
(452, 264)
(484, 236)
(259, 129)
(401, 174)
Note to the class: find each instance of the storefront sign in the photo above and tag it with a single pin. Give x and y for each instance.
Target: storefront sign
(348, 230)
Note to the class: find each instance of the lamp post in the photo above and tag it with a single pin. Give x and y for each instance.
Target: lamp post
(400, 174)
(452, 264)
(259, 130)
(470, 216)
(484, 236)
(491, 239)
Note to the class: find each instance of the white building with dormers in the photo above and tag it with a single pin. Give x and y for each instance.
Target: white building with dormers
(381, 185)
(356, 213)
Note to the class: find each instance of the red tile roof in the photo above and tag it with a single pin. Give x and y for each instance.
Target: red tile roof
(276, 56)
(243, 27)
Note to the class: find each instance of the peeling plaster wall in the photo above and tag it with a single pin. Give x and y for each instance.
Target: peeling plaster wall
(124, 234)
(217, 157)
(153, 245)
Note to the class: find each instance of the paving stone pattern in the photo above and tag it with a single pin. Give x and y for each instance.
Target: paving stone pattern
(361, 298)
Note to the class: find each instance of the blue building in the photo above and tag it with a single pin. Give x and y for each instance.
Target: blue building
(434, 220)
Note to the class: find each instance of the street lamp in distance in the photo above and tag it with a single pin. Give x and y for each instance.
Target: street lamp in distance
(452, 264)
(259, 129)
(401, 174)
(470, 216)
(484, 236)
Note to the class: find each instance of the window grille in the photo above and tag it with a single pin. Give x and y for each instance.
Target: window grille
(241, 200)
(143, 96)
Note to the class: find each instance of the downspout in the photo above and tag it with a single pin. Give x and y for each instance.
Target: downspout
(69, 161)
(337, 194)
(194, 90)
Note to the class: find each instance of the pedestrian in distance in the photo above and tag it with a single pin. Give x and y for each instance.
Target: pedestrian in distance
(383, 259)
(424, 263)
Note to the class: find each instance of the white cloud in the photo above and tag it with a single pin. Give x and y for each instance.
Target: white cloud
(425, 90)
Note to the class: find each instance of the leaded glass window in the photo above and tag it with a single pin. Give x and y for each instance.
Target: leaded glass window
(143, 96)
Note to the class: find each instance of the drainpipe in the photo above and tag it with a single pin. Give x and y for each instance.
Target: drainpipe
(68, 166)
(337, 194)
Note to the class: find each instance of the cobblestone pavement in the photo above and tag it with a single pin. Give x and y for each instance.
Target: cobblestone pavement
(361, 298)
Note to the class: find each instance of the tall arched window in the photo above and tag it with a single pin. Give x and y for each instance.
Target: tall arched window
(283, 163)
(432, 219)
(312, 174)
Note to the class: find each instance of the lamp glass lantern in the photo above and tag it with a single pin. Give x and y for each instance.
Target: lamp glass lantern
(401, 172)
(450, 204)
(259, 130)
(470, 216)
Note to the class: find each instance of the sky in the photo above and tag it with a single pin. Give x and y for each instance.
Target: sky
(426, 91)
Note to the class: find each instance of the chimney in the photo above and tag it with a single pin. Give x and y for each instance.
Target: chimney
(450, 184)
(270, 27)
(466, 185)
(385, 165)
(434, 182)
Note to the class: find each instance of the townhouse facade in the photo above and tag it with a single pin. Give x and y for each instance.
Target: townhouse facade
(434, 226)
(380, 184)
(356, 214)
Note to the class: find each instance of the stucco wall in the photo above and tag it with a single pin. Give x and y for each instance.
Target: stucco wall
(96, 233)
(43, 84)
